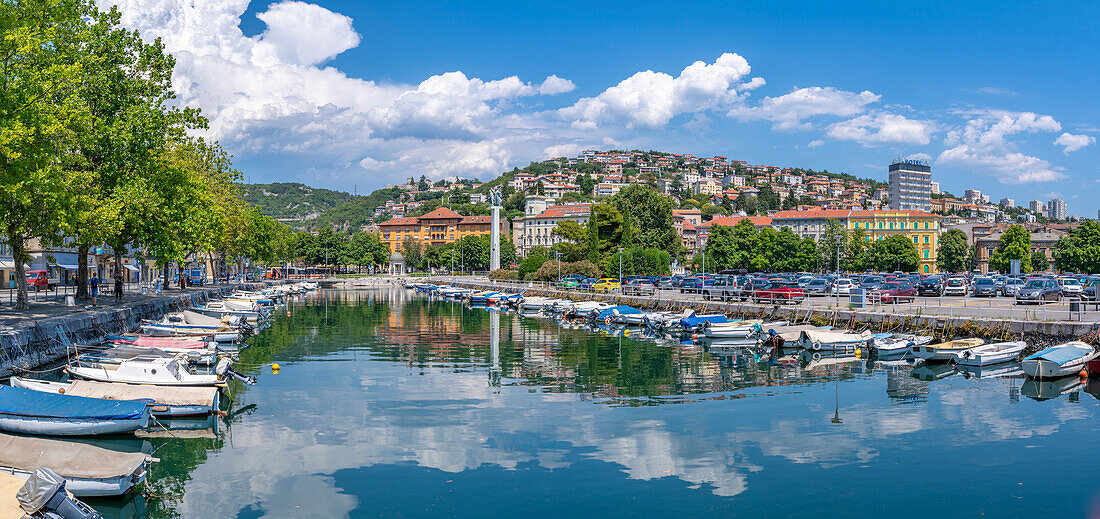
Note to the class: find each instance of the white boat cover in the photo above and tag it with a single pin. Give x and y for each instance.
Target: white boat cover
(69, 459)
(834, 337)
(163, 395)
(792, 333)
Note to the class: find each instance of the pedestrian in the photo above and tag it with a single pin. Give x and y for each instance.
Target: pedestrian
(94, 283)
(158, 284)
(118, 287)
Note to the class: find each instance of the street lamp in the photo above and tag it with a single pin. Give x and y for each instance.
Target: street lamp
(558, 253)
(620, 267)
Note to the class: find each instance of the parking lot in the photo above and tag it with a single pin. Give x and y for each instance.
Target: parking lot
(998, 307)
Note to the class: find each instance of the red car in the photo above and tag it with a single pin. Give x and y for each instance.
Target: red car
(779, 291)
(894, 292)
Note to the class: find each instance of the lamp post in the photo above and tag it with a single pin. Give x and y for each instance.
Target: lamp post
(558, 253)
(620, 268)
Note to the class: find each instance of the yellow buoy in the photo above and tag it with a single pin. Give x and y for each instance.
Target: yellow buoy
(274, 368)
(859, 353)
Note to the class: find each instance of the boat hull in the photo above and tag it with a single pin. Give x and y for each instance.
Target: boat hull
(69, 426)
(1042, 368)
(102, 375)
(85, 487)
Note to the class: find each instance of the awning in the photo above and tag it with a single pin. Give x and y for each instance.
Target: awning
(130, 267)
(10, 265)
(69, 267)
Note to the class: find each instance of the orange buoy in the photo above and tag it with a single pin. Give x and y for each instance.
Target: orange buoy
(1084, 373)
(694, 336)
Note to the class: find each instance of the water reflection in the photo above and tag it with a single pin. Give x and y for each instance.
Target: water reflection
(387, 390)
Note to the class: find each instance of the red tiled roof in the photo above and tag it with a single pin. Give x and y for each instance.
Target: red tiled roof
(441, 213)
(686, 212)
(478, 219)
(412, 220)
(730, 221)
(560, 211)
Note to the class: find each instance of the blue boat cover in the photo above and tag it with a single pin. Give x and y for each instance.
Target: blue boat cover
(623, 309)
(694, 322)
(1062, 353)
(26, 402)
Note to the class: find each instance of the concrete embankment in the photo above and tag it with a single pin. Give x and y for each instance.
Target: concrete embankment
(1037, 333)
(35, 343)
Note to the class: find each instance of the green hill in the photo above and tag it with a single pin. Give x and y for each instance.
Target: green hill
(293, 200)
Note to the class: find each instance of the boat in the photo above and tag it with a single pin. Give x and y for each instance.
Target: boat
(989, 354)
(734, 330)
(933, 371)
(89, 470)
(832, 340)
(157, 371)
(1059, 361)
(214, 311)
(1046, 389)
(167, 402)
(118, 352)
(42, 494)
(1004, 369)
(219, 333)
(944, 351)
(34, 412)
(786, 336)
(694, 322)
(899, 343)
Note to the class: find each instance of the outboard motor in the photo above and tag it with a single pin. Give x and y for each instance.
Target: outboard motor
(225, 369)
(43, 495)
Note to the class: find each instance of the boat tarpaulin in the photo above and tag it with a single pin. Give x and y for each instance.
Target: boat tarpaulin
(25, 402)
(1063, 353)
(834, 337)
(68, 458)
(693, 322)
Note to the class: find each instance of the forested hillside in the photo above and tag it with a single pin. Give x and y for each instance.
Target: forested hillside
(293, 200)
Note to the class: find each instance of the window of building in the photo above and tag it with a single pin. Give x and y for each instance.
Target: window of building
(914, 240)
(926, 269)
(926, 239)
(925, 253)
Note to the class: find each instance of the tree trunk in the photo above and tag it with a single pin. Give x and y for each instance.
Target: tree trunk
(82, 270)
(19, 253)
(118, 270)
(164, 278)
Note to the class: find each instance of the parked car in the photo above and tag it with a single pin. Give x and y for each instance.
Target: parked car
(605, 285)
(567, 283)
(1011, 285)
(955, 287)
(1038, 291)
(725, 288)
(639, 287)
(1071, 286)
(870, 282)
(931, 286)
(586, 284)
(779, 292)
(1089, 292)
(894, 292)
(696, 283)
(663, 281)
(817, 287)
(984, 287)
(843, 286)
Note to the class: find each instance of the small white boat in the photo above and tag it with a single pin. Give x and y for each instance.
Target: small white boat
(900, 343)
(735, 329)
(33, 412)
(988, 354)
(89, 470)
(1059, 361)
(220, 334)
(944, 351)
(832, 340)
(42, 493)
(157, 371)
(167, 402)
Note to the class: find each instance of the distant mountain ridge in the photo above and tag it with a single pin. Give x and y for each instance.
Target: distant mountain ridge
(293, 201)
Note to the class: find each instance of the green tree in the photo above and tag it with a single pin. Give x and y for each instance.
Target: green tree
(574, 248)
(953, 251)
(1015, 244)
(834, 237)
(896, 252)
(1039, 262)
(605, 231)
(649, 214)
(1080, 250)
(413, 253)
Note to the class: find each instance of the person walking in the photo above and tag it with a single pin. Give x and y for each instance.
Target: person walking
(118, 287)
(94, 285)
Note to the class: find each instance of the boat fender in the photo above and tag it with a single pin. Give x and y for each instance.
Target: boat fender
(816, 357)
(607, 320)
(816, 345)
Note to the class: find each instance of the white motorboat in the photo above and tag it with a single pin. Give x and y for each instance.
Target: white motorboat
(220, 334)
(832, 340)
(733, 330)
(167, 402)
(899, 343)
(157, 371)
(988, 354)
(50, 414)
(89, 471)
(944, 351)
(1059, 361)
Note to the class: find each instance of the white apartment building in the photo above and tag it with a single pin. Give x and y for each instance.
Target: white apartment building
(910, 185)
(1008, 202)
(1037, 207)
(537, 230)
(1057, 209)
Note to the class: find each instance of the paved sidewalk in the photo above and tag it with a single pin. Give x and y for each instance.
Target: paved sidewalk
(45, 306)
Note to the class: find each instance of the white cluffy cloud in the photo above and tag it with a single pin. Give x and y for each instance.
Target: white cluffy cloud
(789, 111)
(652, 99)
(882, 128)
(1072, 142)
(983, 144)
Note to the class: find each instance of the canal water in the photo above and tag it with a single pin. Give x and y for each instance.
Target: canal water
(389, 404)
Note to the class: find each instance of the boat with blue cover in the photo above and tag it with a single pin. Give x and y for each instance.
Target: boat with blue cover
(34, 412)
(1059, 361)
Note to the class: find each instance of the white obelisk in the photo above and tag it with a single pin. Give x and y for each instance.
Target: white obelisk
(494, 230)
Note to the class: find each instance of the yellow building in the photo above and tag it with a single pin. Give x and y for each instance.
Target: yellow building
(921, 227)
(436, 228)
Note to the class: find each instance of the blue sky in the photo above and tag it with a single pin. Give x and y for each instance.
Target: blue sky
(1000, 96)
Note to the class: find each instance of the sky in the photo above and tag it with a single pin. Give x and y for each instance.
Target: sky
(353, 95)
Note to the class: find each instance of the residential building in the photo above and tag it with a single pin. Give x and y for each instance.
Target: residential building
(809, 224)
(733, 180)
(1036, 207)
(703, 230)
(935, 187)
(984, 245)
(706, 187)
(437, 228)
(972, 195)
(1057, 209)
(608, 188)
(1008, 202)
(920, 226)
(537, 230)
(685, 221)
(910, 185)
